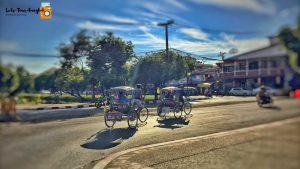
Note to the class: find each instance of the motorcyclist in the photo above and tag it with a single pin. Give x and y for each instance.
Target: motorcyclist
(263, 96)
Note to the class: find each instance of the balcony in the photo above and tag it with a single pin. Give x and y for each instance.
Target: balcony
(253, 73)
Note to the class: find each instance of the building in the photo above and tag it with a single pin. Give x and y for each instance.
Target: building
(204, 76)
(266, 66)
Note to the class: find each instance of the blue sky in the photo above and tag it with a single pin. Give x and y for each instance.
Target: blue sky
(203, 27)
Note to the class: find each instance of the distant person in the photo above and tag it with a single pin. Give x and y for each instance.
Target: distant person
(168, 95)
(122, 98)
(181, 98)
(137, 94)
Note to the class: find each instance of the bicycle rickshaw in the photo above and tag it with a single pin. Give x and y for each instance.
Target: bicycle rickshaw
(117, 111)
(172, 100)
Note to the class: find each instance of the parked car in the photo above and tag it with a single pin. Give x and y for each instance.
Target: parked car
(269, 90)
(240, 92)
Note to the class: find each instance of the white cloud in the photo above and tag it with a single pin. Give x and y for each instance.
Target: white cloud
(259, 6)
(290, 12)
(224, 45)
(94, 26)
(118, 19)
(195, 33)
(8, 46)
(162, 11)
(177, 4)
(149, 38)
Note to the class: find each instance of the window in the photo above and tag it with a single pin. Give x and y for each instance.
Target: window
(274, 63)
(264, 64)
(253, 65)
(242, 66)
(228, 68)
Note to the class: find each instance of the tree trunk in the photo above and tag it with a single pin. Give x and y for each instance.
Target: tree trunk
(93, 91)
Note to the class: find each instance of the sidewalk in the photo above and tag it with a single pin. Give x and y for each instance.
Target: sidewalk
(274, 145)
(84, 105)
(53, 113)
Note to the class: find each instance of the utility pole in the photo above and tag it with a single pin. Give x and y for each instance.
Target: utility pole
(222, 55)
(166, 24)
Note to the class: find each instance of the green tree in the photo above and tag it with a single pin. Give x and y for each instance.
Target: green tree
(72, 81)
(105, 56)
(74, 53)
(157, 69)
(290, 39)
(9, 81)
(46, 80)
(107, 60)
(26, 80)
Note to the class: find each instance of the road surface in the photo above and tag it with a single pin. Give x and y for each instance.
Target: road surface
(76, 143)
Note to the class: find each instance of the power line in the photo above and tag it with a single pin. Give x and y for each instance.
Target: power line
(205, 57)
(27, 54)
(195, 55)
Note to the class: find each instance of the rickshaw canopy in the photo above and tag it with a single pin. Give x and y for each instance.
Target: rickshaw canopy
(171, 88)
(205, 85)
(126, 89)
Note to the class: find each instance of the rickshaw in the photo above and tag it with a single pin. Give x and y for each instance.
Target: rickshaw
(172, 101)
(117, 111)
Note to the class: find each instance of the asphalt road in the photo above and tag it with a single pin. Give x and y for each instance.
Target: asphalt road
(274, 145)
(74, 143)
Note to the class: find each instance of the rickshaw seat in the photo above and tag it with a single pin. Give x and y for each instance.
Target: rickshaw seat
(121, 107)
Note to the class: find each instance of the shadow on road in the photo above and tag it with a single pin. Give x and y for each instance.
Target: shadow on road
(173, 123)
(273, 108)
(108, 138)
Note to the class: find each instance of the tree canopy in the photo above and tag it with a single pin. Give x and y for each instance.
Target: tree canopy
(157, 69)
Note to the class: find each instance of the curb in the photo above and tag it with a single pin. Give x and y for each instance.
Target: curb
(61, 107)
(104, 162)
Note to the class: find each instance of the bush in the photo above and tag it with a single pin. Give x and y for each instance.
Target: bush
(31, 98)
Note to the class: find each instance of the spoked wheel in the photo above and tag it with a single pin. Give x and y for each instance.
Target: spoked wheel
(97, 104)
(187, 108)
(132, 119)
(109, 119)
(160, 112)
(177, 112)
(143, 114)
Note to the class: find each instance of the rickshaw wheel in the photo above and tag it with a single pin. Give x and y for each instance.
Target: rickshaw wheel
(177, 112)
(160, 113)
(187, 108)
(143, 114)
(109, 123)
(97, 105)
(132, 119)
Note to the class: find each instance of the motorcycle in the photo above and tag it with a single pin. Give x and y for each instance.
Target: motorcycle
(102, 102)
(266, 100)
